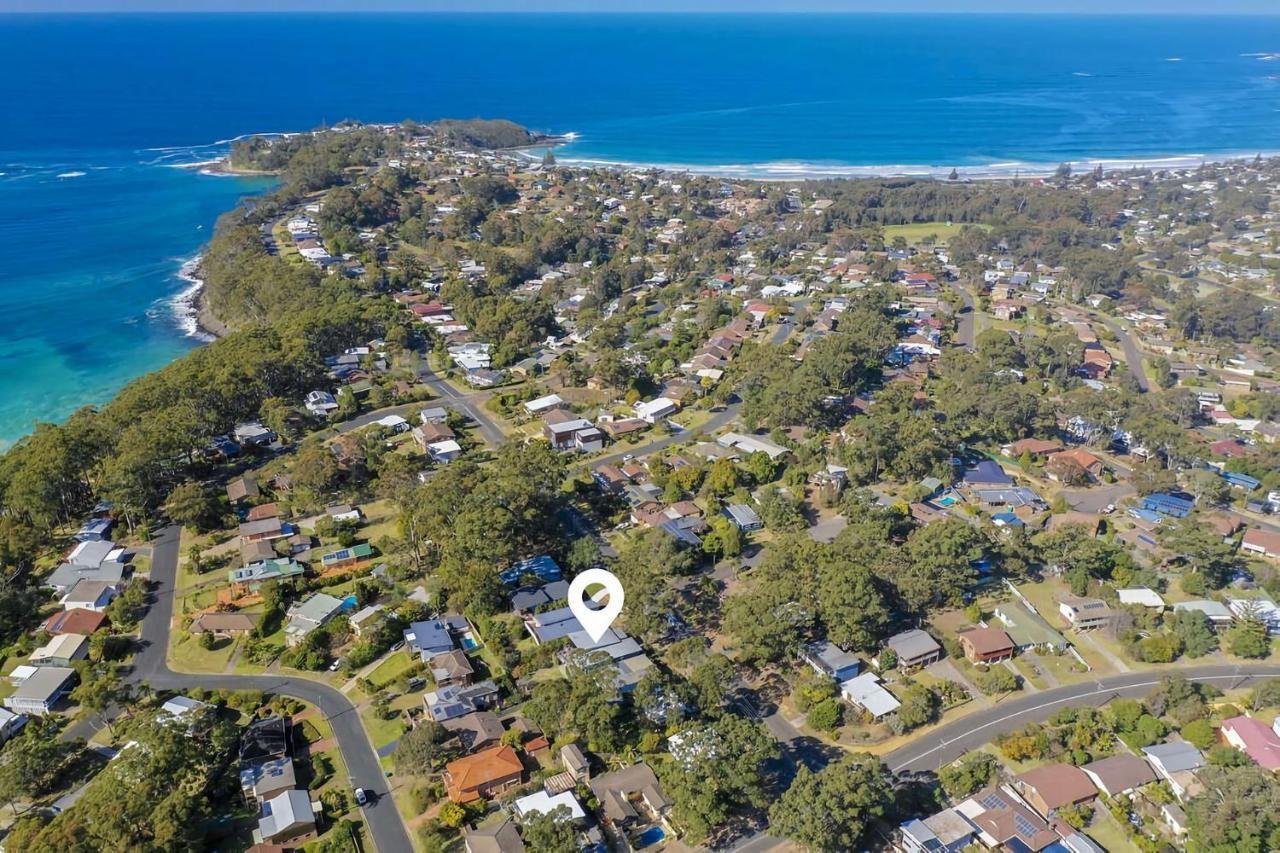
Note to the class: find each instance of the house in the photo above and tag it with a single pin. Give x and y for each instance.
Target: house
(444, 451)
(655, 410)
(1255, 739)
(1074, 465)
(68, 575)
(447, 703)
(432, 432)
(93, 530)
(77, 620)
(1055, 786)
(429, 638)
(10, 724)
(948, 831)
(256, 574)
(263, 530)
(1119, 774)
(866, 692)
(61, 650)
(288, 816)
(306, 616)
(830, 660)
(1085, 614)
(483, 775)
(451, 668)
(630, 796)
(575, 762)
(320, 403)
(746, 445)
(261, 782)
(1218, 614)
(1262, 609)
(41, 690)
(914, 649)
(264, 739)
(1141, 596)
(366, 619)
(1027, 629)
(346, 556)
(1262, 542)
(744, 517)
(1176, 762)
(986, 645)
(544, 404)
(1170, 505)
(475, 731)
(1033, 447)
(528, 599)
(987, 473)
(541, 803)
(90, 595)
(1004, 821)
(223, 624)
(574, 434)
(242, 489)
(543, 567)
(502, 837)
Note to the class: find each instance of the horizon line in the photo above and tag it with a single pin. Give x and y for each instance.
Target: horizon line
(1095, 13)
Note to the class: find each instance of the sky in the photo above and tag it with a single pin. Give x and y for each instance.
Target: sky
(1271, 7)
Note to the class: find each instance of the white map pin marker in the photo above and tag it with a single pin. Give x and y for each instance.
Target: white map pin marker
(595, 618)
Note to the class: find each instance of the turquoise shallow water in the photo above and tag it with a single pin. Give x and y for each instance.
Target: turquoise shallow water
(89, 262)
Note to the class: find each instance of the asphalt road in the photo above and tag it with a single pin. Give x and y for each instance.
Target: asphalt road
(946, 744)
(964, 321)
(718, 420)
(385, 825)
(1132, 356)
(450, 396)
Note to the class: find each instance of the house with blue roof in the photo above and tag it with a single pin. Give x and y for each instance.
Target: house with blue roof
(543, 568)
(987, 473)
(1174, 506)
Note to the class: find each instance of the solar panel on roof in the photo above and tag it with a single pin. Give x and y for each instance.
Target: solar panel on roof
(1024, 826)
(993, 801)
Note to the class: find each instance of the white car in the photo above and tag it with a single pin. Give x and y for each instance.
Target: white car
(362, 796)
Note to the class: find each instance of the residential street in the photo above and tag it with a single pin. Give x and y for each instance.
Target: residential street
(1132, 356)
(387, 829)
(451, 397)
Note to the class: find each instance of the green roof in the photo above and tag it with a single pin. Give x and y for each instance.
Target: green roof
(355, 552)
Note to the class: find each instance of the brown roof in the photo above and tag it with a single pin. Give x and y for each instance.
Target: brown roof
(222, 622)
(1059, 785)
(500, 838)
(476, 730)
(244, 487)
(987, 641)
(262, 511)
(431, 433)
(1033, 446)
(77, 620)
(1269, 542)
(1078, 455)
(453, 663)
(1000, 820)
(467, 775)
(1121, 773)
(256, 550)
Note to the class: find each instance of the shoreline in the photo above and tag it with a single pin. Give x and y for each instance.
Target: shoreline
(799, 170)
(191, 309)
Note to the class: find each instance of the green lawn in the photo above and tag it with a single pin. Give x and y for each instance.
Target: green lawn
(914, 232)
(395, 665)
(1110, 835)
(186, 655)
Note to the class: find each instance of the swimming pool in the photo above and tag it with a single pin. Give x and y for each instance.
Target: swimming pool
(350, 601)
(469, 642)
(945, 500)
(652, 835)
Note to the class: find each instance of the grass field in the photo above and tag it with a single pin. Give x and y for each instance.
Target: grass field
(916, 231)
(186, 655)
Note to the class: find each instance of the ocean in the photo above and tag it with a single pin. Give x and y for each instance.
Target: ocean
(96, 224)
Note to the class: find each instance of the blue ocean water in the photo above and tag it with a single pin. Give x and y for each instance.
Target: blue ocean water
(89, 261)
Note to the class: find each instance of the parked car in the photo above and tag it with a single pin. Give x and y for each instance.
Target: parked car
(362, 796)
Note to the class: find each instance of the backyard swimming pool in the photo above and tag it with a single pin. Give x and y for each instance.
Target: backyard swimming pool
(652, 835)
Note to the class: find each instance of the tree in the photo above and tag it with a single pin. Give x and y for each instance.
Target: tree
(724, 539)
(192, 505)
(824, 716)
(1238, 812)
(551, 832)
(1193, 629)
(418, 750)
(832, 809)
(32, 762)
(1248, 638)
(967, 775)
(1201, 733)
(722, 773)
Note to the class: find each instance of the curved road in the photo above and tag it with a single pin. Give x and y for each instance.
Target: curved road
(451, 396)
(944, 745)
(385, 825)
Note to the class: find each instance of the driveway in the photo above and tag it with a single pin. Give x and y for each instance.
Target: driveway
(385, 825)
(718, 420)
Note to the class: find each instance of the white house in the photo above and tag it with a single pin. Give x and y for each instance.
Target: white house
(444, 451)
(656, 409)
(320, 403)
(544, 404)
(866, 692)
